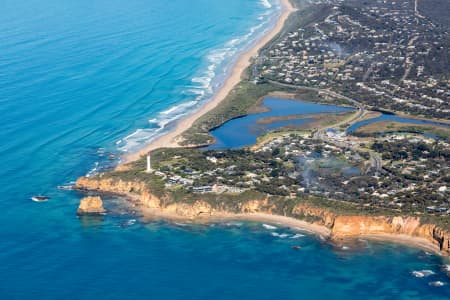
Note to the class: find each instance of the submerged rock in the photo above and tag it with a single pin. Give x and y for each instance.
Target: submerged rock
(91, 205)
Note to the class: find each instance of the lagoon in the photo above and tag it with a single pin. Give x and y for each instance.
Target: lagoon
(81, 79)
(394, 118)
(244, 131)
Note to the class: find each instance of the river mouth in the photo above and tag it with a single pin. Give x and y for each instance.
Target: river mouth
(281, 113)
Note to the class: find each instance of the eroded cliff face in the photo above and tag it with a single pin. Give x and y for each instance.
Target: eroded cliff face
(197, 209)
(255, 206)
(345, 226)
(110, 185)
(340, 226)
(322, 216)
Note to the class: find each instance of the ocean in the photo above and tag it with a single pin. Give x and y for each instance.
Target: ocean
(82, 82)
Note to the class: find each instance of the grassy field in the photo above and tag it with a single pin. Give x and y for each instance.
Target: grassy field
(394, 127)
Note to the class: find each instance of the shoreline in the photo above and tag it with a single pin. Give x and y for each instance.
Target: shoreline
(172, 138)
(243, 62)
(292, 223)
(338, 229)
(320, 231)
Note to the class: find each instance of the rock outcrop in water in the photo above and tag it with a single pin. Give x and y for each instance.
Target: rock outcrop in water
(340, 226)
(91, 206)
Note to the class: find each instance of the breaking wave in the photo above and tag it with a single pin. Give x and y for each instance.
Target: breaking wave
(280, 235)
(436, 283)
(94, 170)
(266, 4)
(422, 273)
(270, 227)
(217, 65)
(297, 236)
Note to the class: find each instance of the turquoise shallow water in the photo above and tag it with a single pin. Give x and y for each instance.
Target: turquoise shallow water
(80, 76)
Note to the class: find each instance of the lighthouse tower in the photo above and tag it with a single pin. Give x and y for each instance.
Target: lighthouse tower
(149, 164)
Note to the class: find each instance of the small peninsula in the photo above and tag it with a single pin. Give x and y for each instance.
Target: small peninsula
(372, 160)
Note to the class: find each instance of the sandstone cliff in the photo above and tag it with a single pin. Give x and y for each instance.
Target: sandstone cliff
(345, 226)
(340, 226)
(120, 187)
(91, 205)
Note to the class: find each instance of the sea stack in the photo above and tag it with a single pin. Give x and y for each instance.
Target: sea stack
(91, 206)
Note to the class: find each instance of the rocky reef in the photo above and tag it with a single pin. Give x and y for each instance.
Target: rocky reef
(91, 206)
(341, 226)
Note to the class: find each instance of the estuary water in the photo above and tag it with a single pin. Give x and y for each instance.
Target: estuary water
(244, 131)
(395, 118)
(80, 82)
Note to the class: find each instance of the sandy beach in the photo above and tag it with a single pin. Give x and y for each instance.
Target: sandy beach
(276, 220)
(170, 139)
(294, 224)
(415, 242)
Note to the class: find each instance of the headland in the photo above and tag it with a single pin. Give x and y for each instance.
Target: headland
(339, 224)
(319, 177)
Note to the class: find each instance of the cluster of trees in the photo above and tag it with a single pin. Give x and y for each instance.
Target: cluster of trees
(400, 150)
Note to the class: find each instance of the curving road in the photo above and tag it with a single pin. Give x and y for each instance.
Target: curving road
(319, 134)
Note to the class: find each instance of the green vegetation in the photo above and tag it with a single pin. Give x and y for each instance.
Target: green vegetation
(236, 104)
(441, 221)
(388, 127)
(360, 48)
(331, 170)
(291, 169)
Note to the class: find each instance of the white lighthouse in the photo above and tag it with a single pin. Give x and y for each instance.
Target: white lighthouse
(149, 164)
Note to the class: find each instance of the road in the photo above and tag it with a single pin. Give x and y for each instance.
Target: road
(409, 62)
(359, 105)
(319, 134)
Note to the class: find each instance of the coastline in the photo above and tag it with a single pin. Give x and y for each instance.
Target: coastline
(295, 224)
(403, 239)
(321, 231)
(170, 139)
(322, 221)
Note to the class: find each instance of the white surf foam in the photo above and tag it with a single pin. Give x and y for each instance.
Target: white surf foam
(270, 227)
(94, 170)
(436, 283)
(130, 222)
(178, 108)
(233, 224)
(205, 83)
(422, 273)
(266, 3)
(280, 235)
(297, 236)
(180, 224)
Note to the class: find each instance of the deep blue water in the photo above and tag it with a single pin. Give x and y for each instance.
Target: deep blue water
(394, 118)
(244, 131)
(80, 79)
